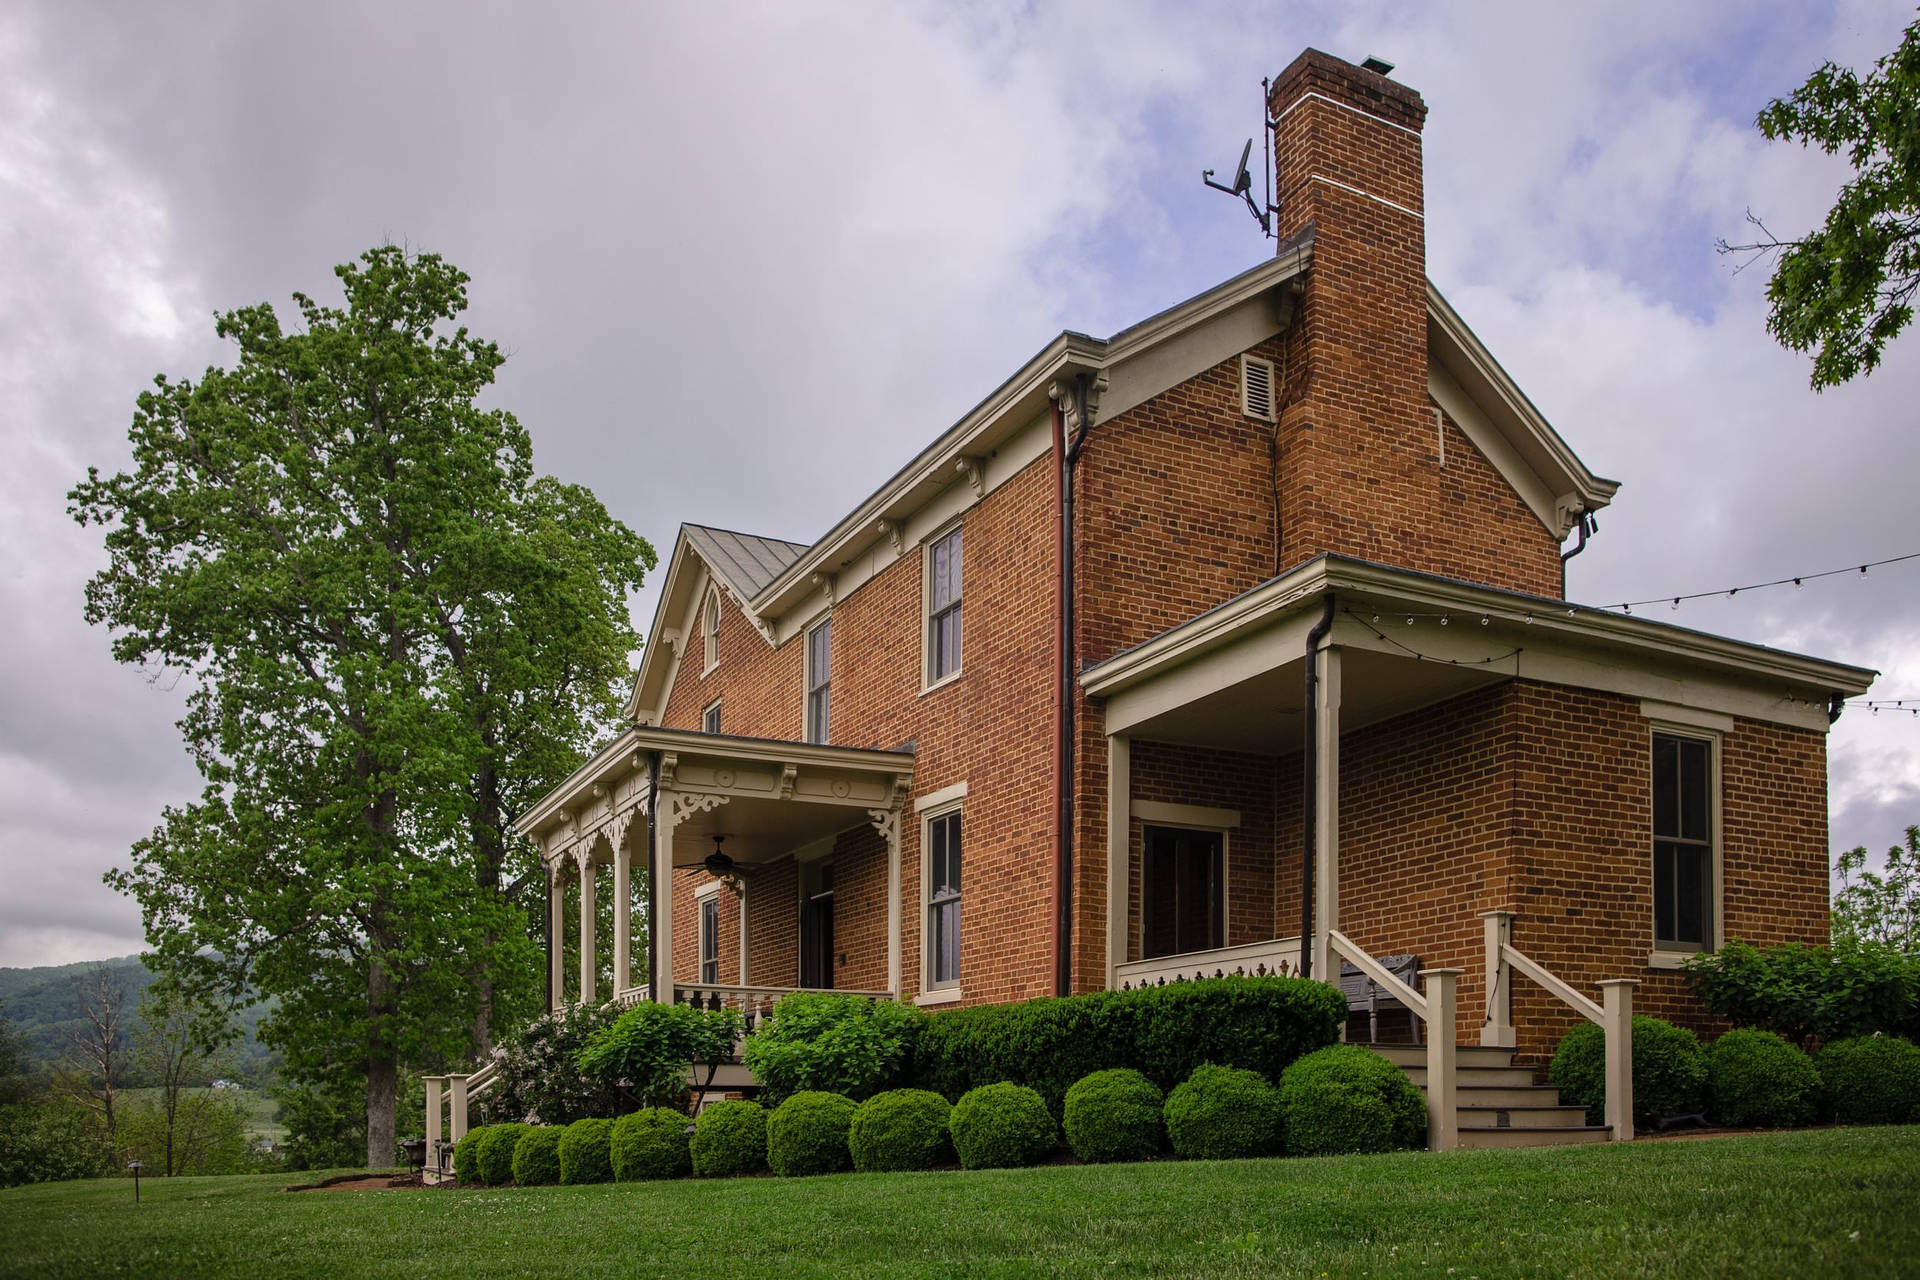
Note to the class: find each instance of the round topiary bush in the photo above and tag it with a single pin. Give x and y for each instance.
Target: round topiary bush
(1223, 1113)
(730, 1138)
(1115, 1115)
(1001, 1126)
(1345, 1099)
(536, 1157)
(1669, 1071)
(466, 1156)
(900, 1130)
(807, 1134)
(586, 1152)
(1756, 1078)
(1872, 1080)
(493, 1154)
(649, 1145)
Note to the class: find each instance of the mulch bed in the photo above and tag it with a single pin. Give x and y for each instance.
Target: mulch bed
(362, 1182)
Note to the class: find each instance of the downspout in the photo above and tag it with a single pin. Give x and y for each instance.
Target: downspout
(1585, 522)
(1310, 771)
(653, 887)
(1065, 454)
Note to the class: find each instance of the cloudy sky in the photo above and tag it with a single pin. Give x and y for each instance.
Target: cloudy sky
(748, 259)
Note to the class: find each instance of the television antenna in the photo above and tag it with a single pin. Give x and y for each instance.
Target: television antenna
(1242, 187)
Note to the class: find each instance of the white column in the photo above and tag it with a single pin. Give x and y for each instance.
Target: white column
(458, 1086)
(887, 823)
(1443, 1118)
(666, 815)
(586, 925)
(1326, 833)
(1616, 997)
(1119, 848)
(1497, 1027)
(557, 930)
(622, 907)
(434, 1108)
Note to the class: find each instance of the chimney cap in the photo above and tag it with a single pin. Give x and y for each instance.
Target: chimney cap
(1378, 65)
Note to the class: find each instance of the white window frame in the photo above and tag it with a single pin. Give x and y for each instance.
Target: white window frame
(710, 629)
(810, 731)
(1711, 727)
(709, 908)
(930, 808)
(928, 682)
(1185, 817)
(710, 716)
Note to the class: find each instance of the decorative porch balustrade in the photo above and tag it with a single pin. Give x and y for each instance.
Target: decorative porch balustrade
(755, 1004)
(1277, 958)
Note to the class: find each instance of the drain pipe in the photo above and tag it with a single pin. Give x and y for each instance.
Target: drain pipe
(1066, 453)
(1585, 522)
(1310, 771)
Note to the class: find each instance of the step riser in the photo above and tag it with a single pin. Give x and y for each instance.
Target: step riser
(1530, 1137)
(1536, 1095)
(1489, 1089)
(1521, 1117)
(1465, 1055)
(1504, 1077)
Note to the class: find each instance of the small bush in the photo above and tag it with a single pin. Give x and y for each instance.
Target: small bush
(1803, 992)
(649, 1145)
(1001, 1126)
(651, 1046)
(586, 1152)
(1224, 1113)
(730, 1138)
(1115, 1115)
(493, 1154)
(807, 1134)
(1669, 1071)
(898, 1131)
(846, 1044)
(1872, 1080)
(536, 1157)
(466, 1156)
(1756, 1078)
(1346, 1099)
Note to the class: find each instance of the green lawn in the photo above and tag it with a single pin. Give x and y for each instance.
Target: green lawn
(1840, 1202)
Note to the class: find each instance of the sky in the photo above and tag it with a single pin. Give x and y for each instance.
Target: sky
(746, 260)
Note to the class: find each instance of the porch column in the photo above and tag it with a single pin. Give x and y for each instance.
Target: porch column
(622, 906)
(1119, 848)
(435, 1108)
(557, 931)
(585, 858)
(887, 823)
(666, 815)
(745, 981)
(1326, 833)
(457, 1087)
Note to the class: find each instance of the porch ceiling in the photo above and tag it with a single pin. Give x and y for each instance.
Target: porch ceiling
(762, 831)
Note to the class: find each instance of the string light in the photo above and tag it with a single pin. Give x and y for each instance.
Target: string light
(1427, 657)
(1796, 582)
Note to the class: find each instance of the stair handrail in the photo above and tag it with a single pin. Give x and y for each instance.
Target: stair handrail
(1556, 986)
(1435, 1007)
(1358, 956)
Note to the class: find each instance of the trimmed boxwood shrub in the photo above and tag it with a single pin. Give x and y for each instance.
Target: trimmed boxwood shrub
(1115, 1115)
(1345, 1099)
(1669, 1071)
(586, 1152)
(1756, 1078)
(1048, 1044)
(807, 1134)
(649, 1145)
(493, 1154)
(1224, 1113)
(536, 1157)
(1001, 1126)
(729, 1138)
(900, 1130)
(466, 1156)
(1872, 1080)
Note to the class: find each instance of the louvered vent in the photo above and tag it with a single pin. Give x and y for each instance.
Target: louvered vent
(1256, 387)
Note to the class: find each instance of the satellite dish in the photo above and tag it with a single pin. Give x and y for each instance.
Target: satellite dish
(1243, 183)
(1243, 188)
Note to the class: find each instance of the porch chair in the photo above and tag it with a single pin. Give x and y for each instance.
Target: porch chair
(1364, 995)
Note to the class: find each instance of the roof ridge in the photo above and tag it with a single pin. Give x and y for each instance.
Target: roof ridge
(742, 533)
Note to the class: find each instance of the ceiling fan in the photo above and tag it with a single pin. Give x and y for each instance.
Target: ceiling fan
(723, 866)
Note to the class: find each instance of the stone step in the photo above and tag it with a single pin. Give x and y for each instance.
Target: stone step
(1505, 1095)
(1488, 1136)
(1512, 1077)
(1471, 1116)
(1466, 1055)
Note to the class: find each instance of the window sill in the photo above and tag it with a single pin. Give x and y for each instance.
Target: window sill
(1671, 959)
(942, 682)
(946, 995)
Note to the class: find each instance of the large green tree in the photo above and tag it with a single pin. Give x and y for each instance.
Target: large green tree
(1846, 289)
(398, 636)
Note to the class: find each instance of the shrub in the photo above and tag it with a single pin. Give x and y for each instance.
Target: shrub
(1261, 1024)
(845, 1044)
(730, 1138)
(900, 1130)
(1115, 1115)
(1871, 1080)
(649, 1145)
(493, 1154)
(807, 1134)
(536, 1157)
(651, 1046)
(586, 1152)
(1803, 992)
(1223, 1113)
(1756, 1078)
(1669, 1070)
(466, 1156)
(1001, 1126)
(539, 1077)
(1345, 1099)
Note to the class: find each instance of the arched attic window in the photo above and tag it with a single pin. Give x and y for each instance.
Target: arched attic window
(710, 628)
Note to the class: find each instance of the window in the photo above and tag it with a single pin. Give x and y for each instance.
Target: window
(943, 900)
(943, 607)
(710, 940)
(1183, 891)
(816, 925)
(710, 718)
(710, 629)
(1683, 873)
(819, 680)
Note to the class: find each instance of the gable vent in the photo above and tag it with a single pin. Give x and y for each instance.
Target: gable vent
(1256, 388)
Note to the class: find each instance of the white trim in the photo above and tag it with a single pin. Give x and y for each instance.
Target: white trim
(806, 677)
(1685, 720)
(944, 995)
(1716, 826)
(1669, 959)
(706, 890)
(940, 533)
(710, 608)
(1198, 817)
(715, 708)
(1415, 214)
(943, 798)
(1344, 106)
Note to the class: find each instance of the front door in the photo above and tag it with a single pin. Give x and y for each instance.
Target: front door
(816, 925)
(1183, 898)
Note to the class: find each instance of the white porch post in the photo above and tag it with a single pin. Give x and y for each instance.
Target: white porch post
(458, 1087)
(557, 930)
(666, 814)
(745, 981)
(1443, 1120)
(1119, 847)
(434, 1107)
(1616, 997)
(585, 858)
(622, 907)
(1326, 833)
(887, 823)
(1497, 1028)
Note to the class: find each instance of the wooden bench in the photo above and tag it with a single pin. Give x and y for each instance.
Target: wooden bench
(1367, 996)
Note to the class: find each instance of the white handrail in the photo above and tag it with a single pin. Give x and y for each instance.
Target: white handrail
(1347, 949)
(1437, 1008)
(1581, 1005)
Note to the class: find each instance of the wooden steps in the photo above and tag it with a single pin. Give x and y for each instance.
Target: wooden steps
(1496, 1103)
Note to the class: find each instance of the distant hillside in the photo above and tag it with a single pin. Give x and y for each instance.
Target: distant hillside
(43, 1003)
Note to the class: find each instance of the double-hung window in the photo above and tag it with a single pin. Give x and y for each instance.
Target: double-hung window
(710, 630)
(710, 717)
(1683, 818)
(710, 939)
(943, 900)
(819, 680)
(943, 606)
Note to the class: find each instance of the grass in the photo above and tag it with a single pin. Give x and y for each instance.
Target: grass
(1835, 1202)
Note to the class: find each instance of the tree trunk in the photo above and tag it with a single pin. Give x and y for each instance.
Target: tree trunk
(383, 1068)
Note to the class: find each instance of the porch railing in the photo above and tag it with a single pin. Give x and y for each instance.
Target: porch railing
(755, 1004)
(1436, 1007)
(1278, 957)
(447, 1099)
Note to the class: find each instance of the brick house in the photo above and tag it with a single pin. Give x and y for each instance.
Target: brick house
(1232, 642)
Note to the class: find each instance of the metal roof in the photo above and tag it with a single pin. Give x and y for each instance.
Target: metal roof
(747, 562)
